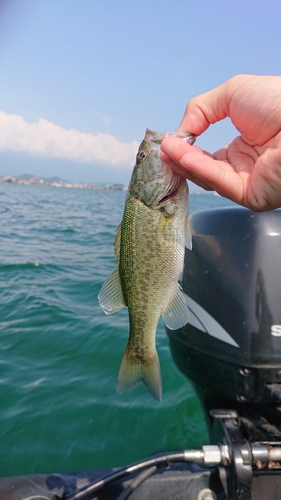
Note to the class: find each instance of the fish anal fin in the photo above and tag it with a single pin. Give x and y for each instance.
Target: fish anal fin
(176, 314)
(111, 296)
(133, 371)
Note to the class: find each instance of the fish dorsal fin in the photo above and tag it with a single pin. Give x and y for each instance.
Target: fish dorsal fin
(117, 243)
(176, 313)
(188, 235)
(111, 296)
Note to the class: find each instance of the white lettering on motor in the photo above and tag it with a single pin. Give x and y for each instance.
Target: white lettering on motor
(276, 330)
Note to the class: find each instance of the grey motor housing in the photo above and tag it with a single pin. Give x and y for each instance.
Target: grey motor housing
(232, 282)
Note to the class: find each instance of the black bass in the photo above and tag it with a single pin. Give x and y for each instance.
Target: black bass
(149, 249)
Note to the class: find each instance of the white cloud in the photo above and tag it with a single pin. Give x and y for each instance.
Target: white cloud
(47, 139)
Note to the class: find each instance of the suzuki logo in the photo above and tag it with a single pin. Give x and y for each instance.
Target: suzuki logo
(276, 330)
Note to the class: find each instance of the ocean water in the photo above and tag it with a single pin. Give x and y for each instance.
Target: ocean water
(60, 355)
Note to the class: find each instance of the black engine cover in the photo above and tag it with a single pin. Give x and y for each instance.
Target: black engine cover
(232, 280)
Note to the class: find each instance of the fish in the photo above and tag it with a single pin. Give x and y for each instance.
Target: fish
(149, 249)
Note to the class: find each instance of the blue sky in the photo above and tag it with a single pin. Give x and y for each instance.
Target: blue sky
(80, 81)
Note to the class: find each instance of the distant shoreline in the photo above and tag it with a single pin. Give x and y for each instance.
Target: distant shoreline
(30, 180)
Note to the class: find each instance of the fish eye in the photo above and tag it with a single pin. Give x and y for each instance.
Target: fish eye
(141, 155)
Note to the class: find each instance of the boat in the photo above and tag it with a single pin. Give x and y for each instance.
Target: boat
(231, 351)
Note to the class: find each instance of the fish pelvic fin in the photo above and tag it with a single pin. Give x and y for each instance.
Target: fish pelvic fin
(146, 370)
(188, 235)
(111, 297)
(176, 313)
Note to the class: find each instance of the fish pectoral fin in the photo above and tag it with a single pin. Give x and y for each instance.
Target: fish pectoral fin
(176, 313)
(134, 371)
(117, 243)
(188, 235)
(111, 297)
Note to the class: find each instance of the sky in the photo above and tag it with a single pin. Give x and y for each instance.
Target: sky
(80, 81)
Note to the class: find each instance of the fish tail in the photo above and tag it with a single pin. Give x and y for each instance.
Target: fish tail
(146, 370)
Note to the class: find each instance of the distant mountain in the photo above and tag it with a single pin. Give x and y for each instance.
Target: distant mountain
(26, 176)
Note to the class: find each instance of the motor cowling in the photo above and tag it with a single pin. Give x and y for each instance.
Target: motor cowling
(232, 283)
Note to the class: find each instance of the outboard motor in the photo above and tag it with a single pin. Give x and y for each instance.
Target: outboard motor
(232, 281)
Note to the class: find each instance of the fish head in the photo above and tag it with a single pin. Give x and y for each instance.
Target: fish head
(152, 179)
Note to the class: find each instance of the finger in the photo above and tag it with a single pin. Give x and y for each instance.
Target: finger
(218, 175)
(164, 157)
(206, 109)
(183, 172)
(175, 148)
(208, 172)
(179, 169)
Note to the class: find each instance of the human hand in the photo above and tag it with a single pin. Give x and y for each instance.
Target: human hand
(248, 170)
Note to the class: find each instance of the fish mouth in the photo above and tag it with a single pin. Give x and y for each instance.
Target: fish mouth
(158, 137)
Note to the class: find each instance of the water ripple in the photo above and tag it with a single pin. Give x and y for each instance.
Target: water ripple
(60, 355)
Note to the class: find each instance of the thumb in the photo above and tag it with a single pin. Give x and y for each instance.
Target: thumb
(205, 109)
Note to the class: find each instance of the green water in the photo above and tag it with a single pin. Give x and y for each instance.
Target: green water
(60, 355)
